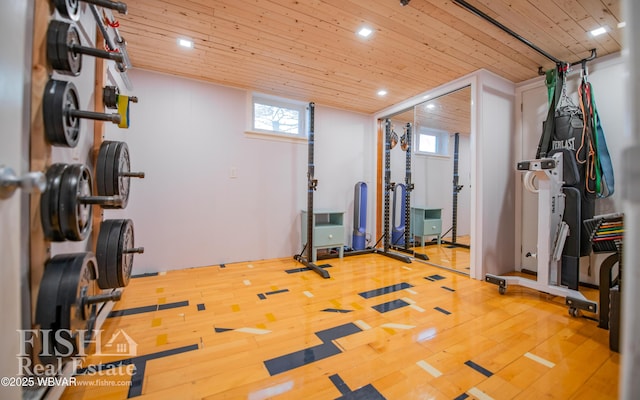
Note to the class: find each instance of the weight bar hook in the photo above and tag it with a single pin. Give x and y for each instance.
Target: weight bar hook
(102, 298)
(135, 250)
(132, 174)
(96, 116)
(101, 200)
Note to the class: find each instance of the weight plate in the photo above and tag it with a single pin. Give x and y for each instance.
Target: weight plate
(101, 168)
(49, 214)
(61, 39)
(76, 285)
(103, 255)
(112, 169)
(121, 182)
(110, 96)
(116, 254)
(52, 41)
(75, 217)
(125, 261)
(61, 128)
(47, 315)
(68, 9)
(72, 59)
(48, 293)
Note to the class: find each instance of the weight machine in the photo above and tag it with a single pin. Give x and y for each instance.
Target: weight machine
(552, 233)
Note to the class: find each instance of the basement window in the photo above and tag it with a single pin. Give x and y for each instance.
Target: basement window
(432, 142)
(278, 116)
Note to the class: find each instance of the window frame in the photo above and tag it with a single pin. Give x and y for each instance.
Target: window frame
(279, 102)
(442, 142)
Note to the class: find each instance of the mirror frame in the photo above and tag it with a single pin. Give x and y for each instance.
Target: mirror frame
(471, 81)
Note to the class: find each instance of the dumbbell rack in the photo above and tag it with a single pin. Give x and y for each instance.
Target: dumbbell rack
(606, 234)
(40, 249)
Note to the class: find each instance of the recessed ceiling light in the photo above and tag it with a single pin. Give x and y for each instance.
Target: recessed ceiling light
(599, 31)
(185, 43)
(382, 92)
(431, 106)
(622, 24)
(365, 32)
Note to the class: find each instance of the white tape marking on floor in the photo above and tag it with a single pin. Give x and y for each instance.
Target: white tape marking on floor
(397, 326)
(429, 368)
(479, 394)
(254, 331)
(308, 293)
(540, 360)
(247, 282)
(363, 325)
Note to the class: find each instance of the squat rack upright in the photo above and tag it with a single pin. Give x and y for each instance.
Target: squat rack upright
(312, 185)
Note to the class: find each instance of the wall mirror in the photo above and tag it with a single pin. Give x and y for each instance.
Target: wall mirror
(441, 173)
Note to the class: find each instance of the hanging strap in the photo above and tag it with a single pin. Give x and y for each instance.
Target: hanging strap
(548, 127)
(587, 143)
(608, 182)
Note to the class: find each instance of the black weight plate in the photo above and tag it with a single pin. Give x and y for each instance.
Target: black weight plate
(121, 182)
(47, 307)
(61, 37)
(115, 256)
(48, 293)
(102, 255)
(49, 214)
(77, 283)
(53, 113)
(71, 124)
(61, 129)
(69, 38)
(125, 261)
(110, 96)
(52, 41)
(112, 169)
(68, 8)
(101, 168)
(75, 217)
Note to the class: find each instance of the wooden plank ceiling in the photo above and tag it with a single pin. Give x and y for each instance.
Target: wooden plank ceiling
(308, 49)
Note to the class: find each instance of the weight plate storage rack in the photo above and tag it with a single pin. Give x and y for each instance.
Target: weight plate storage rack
(73, 292)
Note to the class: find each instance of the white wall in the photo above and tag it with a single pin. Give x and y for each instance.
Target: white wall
(605, 76)
(495, 164)
(187, 135)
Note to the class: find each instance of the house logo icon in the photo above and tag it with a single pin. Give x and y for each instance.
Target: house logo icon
(120, 344)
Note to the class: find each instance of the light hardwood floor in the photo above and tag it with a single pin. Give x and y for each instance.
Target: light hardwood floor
(378, 328)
